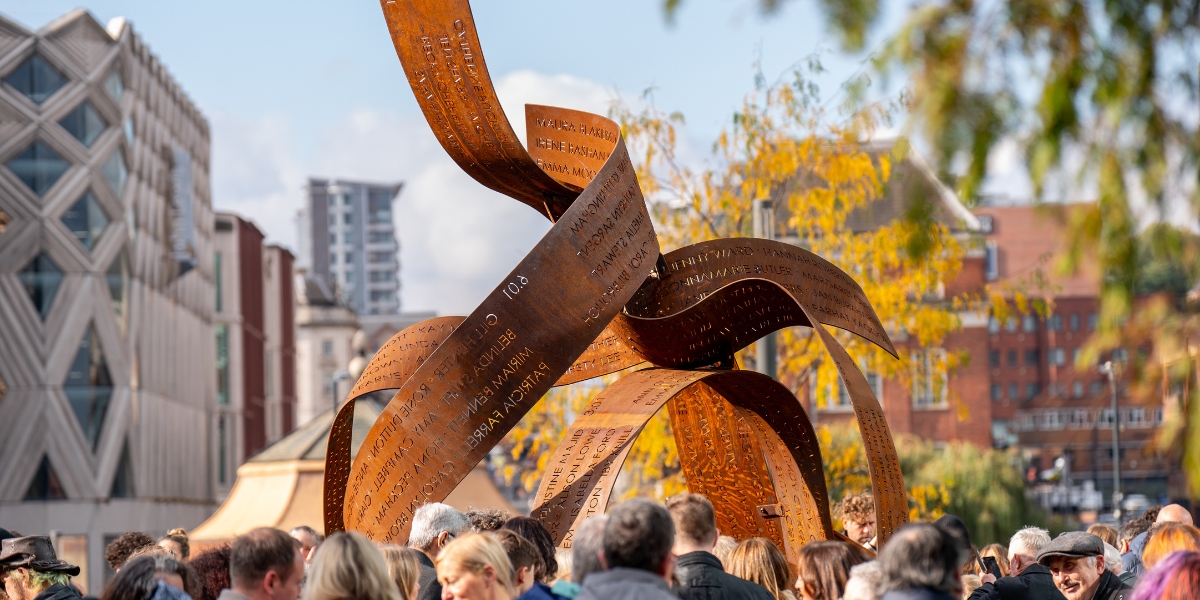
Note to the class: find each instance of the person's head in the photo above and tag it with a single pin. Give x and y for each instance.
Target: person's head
(725, 544)
(524, 556)
(760, 561)
(639, 534)
(266, 564)
(119, 550)
(921, 555)
(998, 552)
(1076, 561)
(1174, 513)
(347, 565)
(212, 572)
(1176, 577)
(475, 567)
(565, 564)
(176, 542)
(1112, 559)
(695, 523)
(857, 514)
(822, 568)
(404, 568)
(1023, 548)
(138, 579)
(433, 526)
(1130, 530)
(487, 519)
(28, 566)
(1108, 533)
(958, 530)
(586, 547)
(533, 530)
(970, 583)
(309, 540)
(864, 581)
(1167, 537)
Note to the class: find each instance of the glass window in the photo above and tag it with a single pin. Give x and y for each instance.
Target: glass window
(332, 239)
(46, 484)
(1032, 390)
(1010, 325)
(222, 332)
(993, 325)
(380, 295)
(380, 237)
(1119, 354)
(349, 258)
(36, 78)
(1057, 357)
(1097, 387)
(222, 453)
(1092, 321)
(1029, 323)
(994, 358)
(41, 278)
(1074, 356)
(129, 131)
(114, 85)
(348, 218)
(1012, 358)
(379, 257)
(327, 348)
(122, 485)
(117, 277)
(349, 276)
(381, 276)
(991, 261)
(1074, 322)
(347, 238)
(1032, 357)
(89, 386)
(997, 392)
(84, 123)
(218, 282)
(333, 258)
(38, 167)
(379, 208)
(929, 378)
(85, 220)
(1012, 391)
(1054, 323)
(346, 200)
(116, 171)
(1077, 389)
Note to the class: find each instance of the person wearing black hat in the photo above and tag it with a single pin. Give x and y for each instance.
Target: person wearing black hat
(1076, 561)
(32, 571)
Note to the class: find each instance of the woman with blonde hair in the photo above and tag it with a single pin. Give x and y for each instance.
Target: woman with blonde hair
(404, 568)
(475, 567)
(349, 567)
(998, 552)
(758, 560)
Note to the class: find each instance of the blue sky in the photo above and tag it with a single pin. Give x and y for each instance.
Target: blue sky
(303, 88)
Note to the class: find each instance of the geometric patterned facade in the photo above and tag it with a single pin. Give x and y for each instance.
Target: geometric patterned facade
(107, 352)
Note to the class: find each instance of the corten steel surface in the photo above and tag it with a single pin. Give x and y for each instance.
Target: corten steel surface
(595, 296)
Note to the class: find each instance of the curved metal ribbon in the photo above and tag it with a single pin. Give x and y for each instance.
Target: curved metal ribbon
(557, 318)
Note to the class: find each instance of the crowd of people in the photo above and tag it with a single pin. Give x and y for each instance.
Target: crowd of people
(640, 550)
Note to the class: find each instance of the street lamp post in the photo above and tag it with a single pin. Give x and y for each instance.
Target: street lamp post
(764, 227)
(1107, 369)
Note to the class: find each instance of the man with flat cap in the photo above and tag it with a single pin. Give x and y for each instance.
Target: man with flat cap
(32, 571)
(1076, 561)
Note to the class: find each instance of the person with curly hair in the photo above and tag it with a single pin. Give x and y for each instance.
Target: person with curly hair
(533, 530)
(487, 519)
(857, 514)
(212, 572)
(119, 551)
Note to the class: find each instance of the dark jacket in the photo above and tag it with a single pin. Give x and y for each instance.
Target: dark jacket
(701, 578)
(917, 594)
(430, 588)
(58, 592)
(1132, 561)
(539, 591)
(1112, 588)
(622, 583)
(1034, 583)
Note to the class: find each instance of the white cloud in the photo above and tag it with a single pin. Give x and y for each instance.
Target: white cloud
(458, 239)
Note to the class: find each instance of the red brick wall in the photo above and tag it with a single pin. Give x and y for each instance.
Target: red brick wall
(250, 264)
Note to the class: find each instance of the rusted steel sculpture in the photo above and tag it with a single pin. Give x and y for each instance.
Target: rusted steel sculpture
(595, 296)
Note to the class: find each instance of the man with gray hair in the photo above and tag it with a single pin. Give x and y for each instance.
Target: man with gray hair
(921, 562)
(1027, 579)
(1076, 561)
(433, 526)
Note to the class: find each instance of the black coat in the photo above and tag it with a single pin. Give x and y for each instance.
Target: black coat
(701, 577)
(1034, 583)
(430, 588)
(58, 592)
(1112, 588)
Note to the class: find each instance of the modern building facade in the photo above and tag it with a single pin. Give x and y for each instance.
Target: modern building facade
(254, 331)
(107, 351)
(348, 239)
(325, 329)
